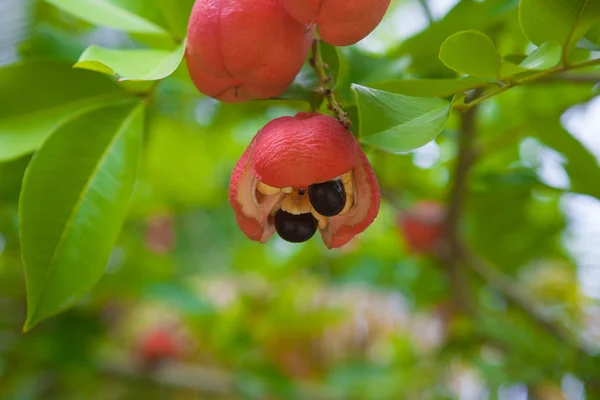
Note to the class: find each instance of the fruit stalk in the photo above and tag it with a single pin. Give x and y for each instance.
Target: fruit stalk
(316, 61)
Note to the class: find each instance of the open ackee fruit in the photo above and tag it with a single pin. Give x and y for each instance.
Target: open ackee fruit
(304, 174)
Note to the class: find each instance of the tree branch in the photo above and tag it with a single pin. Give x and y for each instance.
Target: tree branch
(538, 77)
(316, 61)
(573, 78)
(458, 255)
(451, 252)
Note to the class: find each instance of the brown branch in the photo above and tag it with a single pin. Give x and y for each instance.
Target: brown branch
(457, 256)
(451, 251)
(316, 61)
(573, 78)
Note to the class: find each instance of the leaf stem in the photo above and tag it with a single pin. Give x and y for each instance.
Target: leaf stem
(316, 61)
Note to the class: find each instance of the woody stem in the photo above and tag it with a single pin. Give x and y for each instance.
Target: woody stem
(323, 90)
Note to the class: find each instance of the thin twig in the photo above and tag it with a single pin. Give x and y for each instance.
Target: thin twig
(543, 75)
(573, 78)
(316, 61)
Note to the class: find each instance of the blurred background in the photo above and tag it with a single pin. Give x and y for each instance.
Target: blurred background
(189, 308)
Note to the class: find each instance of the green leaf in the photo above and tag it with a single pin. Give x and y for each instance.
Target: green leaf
(11, 177)
(43, 95)
(508, 68)
(423, 48)
(547, 56)
(507, 237)
(75, 195)
(48, 41)
(561, 21)
(472, 53)
(177, 13)
(581, 166)
(112, 14)
(593, 36)
(544, 57)
(514, 58)
(361, 66)
(430, 87)
(398, 123)
(128, 65)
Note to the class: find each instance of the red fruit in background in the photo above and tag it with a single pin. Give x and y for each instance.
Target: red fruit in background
(302, 174)
(423, 226)
(340, 22)
(159, 344)
(160, 234)
(240, 50)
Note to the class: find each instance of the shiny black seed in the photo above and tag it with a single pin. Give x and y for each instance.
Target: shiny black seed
(327, 198)
(295, 228)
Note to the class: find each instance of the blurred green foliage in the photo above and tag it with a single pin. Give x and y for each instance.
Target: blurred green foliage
(373, 320)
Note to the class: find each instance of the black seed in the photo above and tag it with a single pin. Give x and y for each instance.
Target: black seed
(327, 198)
(295, 228)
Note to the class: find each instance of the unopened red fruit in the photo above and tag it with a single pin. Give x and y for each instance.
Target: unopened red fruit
(423, 226)
(240, 50)
(340, 22)
(300, 174)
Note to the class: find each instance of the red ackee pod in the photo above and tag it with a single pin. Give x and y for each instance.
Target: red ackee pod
(295, 166)
(241, 50)
(340, 22)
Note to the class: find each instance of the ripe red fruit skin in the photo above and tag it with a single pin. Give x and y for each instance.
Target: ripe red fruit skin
(340, 22)
(241, 50)
(297, 152)
(423, 226)
(285, 148)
